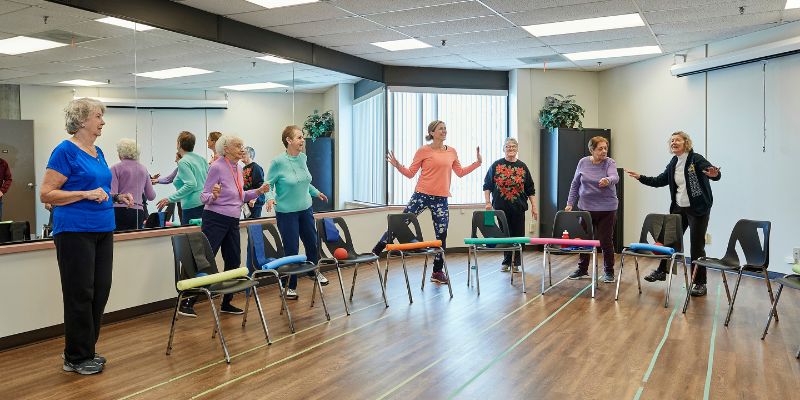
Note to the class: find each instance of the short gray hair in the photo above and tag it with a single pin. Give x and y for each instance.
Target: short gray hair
(128, 149)
(511, 140)
(78, 111)
(223, 142)
(251, 152)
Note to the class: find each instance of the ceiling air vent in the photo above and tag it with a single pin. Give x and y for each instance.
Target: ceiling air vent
(543, 59)
(62, 36)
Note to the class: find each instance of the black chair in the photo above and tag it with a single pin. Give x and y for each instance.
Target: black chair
(579, 226)
(399, 231)
(15, 231)
(666, 229)
(792, 281)
(192, 253)
(272, 248)
(756, 255)
(498, 229)
(353, 259)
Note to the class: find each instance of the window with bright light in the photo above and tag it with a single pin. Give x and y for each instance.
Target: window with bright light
(474, 119)
(369, 144)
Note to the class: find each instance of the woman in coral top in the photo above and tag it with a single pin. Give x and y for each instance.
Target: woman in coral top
(437, 162)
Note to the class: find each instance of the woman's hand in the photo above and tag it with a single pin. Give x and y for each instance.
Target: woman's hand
(603, 182)
(535, 214)
(322, 197)
(99, 195)
(154, 179)
(478, 155)
(215, 190)
(711, 172)
(632, 174)
(488, 205)
(392, 160)
(125, 198)
(269, 204)
(263, 189)
(251, 203)
(568, 207)
(162, 203)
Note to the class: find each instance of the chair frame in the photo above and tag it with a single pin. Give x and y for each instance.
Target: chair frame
(558, 227)
(181, 241)
(473, 249)
(794, 281)
(673, 259)
(411, 219)
(760, 264)
(347, 244)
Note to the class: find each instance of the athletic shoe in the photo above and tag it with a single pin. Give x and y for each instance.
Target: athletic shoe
(322, 279)
(231, 309)
(699, 289)
(656, 276)
(516, 269)
(579, 274)
(439, 277)
(505, 268)
(187, 311)
(608, 277)
(291, 294)
(97, 358)
(87, 367)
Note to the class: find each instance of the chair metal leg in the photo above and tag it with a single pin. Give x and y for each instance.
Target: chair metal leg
(549, 270)
(355, 273)
(172, 328)
(772, 311)
(314, 289)
(405, 272)
(735, 291)
(477, 276)
(219, 328)
(285, 305)
(544, 267)
(669, 281)
(386, 272)
(521, 268)
(446, 273)
(638, 278)
(341, 286)
(469, 265)
(380, 281)
(594, 269)
(261, 314)
(771, 297)
(424, 272)
(725, 283)
(322, 295)
(511, 274)
(689, 289)
(619, 275)
(246, 306)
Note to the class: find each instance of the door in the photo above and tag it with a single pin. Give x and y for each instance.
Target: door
(16, 147)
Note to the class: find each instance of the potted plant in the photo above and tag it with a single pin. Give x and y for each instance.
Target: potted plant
(561, 112)
(319, 125)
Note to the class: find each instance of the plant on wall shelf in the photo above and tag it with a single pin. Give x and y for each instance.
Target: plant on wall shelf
(319, 125)
(561, 112)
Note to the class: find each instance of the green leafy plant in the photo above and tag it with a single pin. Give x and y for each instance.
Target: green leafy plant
(319, 125)
(561, 112)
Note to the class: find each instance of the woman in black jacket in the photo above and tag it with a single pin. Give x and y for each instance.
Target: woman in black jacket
(691, 196)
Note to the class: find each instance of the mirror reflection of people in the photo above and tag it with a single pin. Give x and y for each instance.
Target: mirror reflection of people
(253, 178)
(291, 196)
(77, 182)
(211, 142)
(130, 176)
(687, 175)
(189, 181)
(5, 182)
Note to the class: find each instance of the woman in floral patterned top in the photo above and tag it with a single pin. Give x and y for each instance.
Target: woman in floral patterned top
(511, 187)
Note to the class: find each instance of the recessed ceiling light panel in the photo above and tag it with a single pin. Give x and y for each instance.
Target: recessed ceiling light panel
(275, 59)
(174, 73)
(585, 25)
(125, 24)
(83, 82)
(23, 44)
(280, 3)
(613, 53)
(790, 4)
(404, 44)
(254, 86)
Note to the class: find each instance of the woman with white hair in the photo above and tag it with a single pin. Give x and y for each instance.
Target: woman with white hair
(78, 182)
(130, 176)
(223, 196)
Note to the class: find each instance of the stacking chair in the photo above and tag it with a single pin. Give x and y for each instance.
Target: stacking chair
(666, 229)
(266, 246)
(399, 231)
(792, 281)
(579, 226)
(745, 233)
(15, 231)
(192, 254)
(353, 259)
(492, 224)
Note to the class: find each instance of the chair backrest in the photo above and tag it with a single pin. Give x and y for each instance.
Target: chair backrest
(577, 223)
(329, 247)
(745, 232)
(154, 220)
(15, 231)
(666, 229)
(169, 212)
(271, 239)
(399, 228)
(186, 258)
(498, 228)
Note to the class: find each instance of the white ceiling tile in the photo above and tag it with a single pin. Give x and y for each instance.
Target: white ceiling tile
(707, 36)
(66, 53)
(226, 7)
(359, 49)
(506, 45)
(473, 38)
(659, 5)
(31, 20)
(597, 36)
(329, 27)
(680, 46)
(606, 63)
(10, 6)
(497, 53)
(347, 39)
(380, 6)
(508, 63)
(436, 13)
(705, 12)
(738, 21)
(506, 6)
(408, 54)
(459, 26)
(572, 12)
(291, 15)
(605, 45)
(99, 30)
(126, 43)
(11, 73)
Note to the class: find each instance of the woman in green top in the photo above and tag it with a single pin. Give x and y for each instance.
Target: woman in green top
(192, 172)
(291, 196)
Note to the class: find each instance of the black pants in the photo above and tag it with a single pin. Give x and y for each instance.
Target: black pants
(222, 232)
(697, 239)
(255, 210)
(603, 223)
(128, 218)
(85, 261)
(516, 226)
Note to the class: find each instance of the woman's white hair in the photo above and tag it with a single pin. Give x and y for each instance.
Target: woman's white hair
(224, 141)
(128, 149)
(78, 111)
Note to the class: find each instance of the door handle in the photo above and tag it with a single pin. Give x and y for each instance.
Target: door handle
(31, 185)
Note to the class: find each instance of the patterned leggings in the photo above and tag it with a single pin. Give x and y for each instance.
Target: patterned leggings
(441, 219)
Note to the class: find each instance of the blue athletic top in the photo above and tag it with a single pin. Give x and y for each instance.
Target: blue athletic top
(83, 172)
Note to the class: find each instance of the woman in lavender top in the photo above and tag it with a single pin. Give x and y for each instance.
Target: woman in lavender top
(130, 176)
(223, 196)
(594, 184)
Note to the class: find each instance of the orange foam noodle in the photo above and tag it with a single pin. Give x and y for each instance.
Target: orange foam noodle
(413, 246)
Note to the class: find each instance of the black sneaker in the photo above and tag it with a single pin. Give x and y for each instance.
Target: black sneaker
(231, 309)
(97, 358)
(187, 311)
(698, 290)
(608, 277)
(579, 274)
(87, 367)
(656, 276)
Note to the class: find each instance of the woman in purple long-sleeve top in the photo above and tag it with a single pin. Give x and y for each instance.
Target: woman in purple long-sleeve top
(130, 176)
(594, 184)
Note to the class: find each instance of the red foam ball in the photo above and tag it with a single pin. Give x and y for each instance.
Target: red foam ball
(658, 244)
(340, 254)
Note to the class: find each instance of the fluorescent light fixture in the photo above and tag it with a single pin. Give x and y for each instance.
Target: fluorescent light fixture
(23, 44)
(280, 3)
(792, 4)
(585, 25)
(405, 44)
(125, 24)
(83, 82)
(625, 52)
(275, 59)
(174, 73)
(254, 86)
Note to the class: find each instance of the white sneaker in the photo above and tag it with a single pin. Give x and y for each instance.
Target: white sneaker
(322, 279)
(291, 294)
(516, 269)
(505, 268)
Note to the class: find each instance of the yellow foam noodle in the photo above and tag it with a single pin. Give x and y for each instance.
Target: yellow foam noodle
(211, 279)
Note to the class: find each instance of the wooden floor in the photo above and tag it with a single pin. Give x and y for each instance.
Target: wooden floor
(500, 345)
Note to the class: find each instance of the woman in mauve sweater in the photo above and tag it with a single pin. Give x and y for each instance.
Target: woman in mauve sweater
(594, 184)
(437, 161)
(130, 176)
